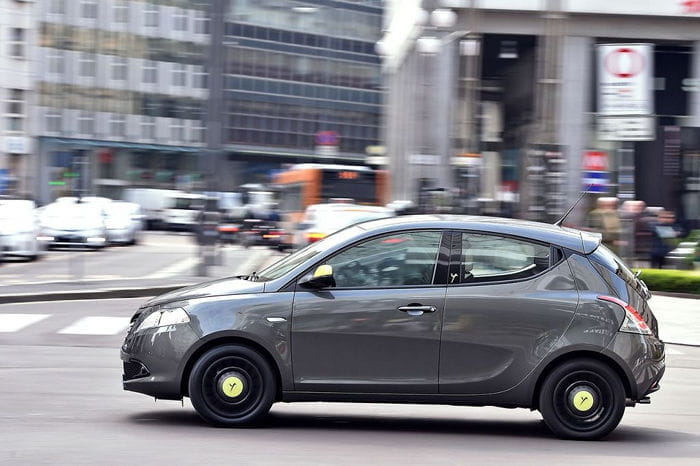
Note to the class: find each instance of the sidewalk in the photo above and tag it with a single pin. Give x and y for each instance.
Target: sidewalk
(679, 319)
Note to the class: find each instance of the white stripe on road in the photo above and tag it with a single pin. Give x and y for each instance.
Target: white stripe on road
(176, 268)
(97, 325)
(16, 322)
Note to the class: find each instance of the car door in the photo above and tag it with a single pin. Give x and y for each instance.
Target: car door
(378, 329)
(508, 302)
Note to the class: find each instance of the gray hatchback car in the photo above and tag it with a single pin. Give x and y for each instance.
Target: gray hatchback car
(422, 309)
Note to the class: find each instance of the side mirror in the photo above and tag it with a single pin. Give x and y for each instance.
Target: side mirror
(301, 226)
(321, 277)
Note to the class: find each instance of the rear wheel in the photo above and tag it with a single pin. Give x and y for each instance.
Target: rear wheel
(582, 399)
(232, 386)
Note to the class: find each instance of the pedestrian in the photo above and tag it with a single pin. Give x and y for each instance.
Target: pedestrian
(663, 233)
(606, 219)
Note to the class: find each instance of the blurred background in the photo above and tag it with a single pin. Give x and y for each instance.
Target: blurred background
(202, 131)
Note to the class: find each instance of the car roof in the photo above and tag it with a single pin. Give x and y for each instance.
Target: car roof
(579, 241)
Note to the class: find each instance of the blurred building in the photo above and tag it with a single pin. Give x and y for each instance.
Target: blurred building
(301, 82)
(495, 97)
(199, 94)
(122, 92)
(17, 36)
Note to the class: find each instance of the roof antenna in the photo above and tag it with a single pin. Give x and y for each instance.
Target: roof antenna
(563, 217)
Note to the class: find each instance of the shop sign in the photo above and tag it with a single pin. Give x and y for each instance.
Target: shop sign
(16, 145)
(596, 177)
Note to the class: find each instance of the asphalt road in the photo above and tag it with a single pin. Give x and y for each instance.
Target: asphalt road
(61, 402)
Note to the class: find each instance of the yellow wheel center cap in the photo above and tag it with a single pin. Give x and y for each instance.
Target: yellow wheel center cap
(232, 387)
(583, 400)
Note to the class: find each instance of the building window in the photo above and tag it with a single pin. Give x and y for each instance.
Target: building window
(117, 124)
(151, 15)
(199, 78)
(56, 59)
(15, 102)
(57, 7)
(86, 65)
(148, 127)
(120, 11)
(15, 124)
(53, 122)
(17, 42)
(201, 22)
(179, 74)
(119, 68)
(180, 20)
(14, 110)
(197, 131)
(86, 123)
(150, 72)
(88, 9)
(177, 129)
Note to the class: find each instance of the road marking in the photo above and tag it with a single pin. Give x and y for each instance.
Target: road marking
(16, 322)
(176, 268)
(97, 325)
(673, 351)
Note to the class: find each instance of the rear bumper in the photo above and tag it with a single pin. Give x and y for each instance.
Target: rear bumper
(643, 359)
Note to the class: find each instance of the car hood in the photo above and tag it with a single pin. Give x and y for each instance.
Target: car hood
(224, 286)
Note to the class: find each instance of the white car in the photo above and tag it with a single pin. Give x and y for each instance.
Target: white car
(19, 230)
(73, 224)
(182, 211)
(124, 222)
(321, 220)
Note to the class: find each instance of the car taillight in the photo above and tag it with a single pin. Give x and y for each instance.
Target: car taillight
(313, 237)
(634, 322)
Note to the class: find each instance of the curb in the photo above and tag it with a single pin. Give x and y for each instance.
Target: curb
(75, 295)
(675, 295)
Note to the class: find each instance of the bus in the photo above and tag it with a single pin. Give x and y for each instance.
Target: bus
(307, 184)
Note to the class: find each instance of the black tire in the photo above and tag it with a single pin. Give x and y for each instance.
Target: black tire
(228, 366)
(596, 388)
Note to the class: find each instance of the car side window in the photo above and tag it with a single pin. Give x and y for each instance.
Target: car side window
(402, 259)
(487, 257)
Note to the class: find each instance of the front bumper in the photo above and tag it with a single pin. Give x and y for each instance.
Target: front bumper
(74, 238)
(153, 359)
(21, 245)
(643, 359)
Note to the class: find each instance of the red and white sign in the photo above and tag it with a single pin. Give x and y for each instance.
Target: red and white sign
(624, 79)
(690, 6)
(595, 161)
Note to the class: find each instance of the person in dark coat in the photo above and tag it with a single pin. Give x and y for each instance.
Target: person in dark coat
(663, 233)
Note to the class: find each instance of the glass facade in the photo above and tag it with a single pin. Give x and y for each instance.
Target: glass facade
(293, 69)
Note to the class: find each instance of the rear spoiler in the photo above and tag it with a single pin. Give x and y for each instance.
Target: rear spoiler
(590, 241)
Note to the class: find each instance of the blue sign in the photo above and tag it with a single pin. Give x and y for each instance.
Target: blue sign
(4, 179)
(598, 181)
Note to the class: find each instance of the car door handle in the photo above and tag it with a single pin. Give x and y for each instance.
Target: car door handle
(416, 309)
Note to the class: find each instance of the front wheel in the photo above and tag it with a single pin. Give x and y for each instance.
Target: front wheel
(582, 399)
(232, 386)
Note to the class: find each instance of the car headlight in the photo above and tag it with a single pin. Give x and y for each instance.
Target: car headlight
(164, 318)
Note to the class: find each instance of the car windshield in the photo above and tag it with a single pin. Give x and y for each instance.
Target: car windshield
(289, 263)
